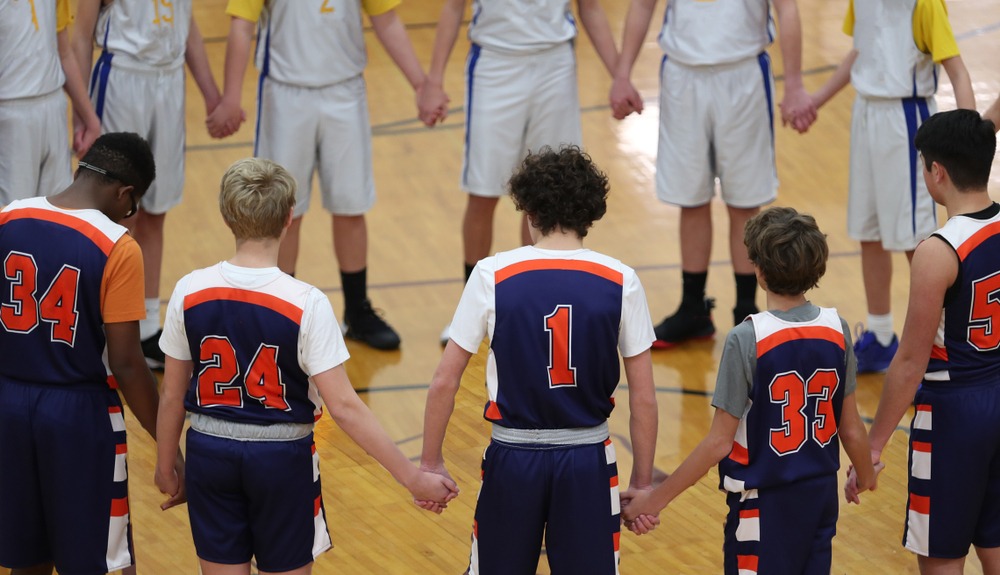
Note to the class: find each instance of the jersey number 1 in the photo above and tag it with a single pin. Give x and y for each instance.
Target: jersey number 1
(559, 326)
(56, 307)
(791, 392)
(217, 382)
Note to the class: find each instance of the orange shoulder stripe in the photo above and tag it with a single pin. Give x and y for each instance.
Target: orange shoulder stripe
(558, 264)
(816, 332)
(83, 226)
(976, 239)
(246, 296)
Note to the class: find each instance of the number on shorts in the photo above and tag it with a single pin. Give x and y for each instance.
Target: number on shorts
(984, 319)
(559, 324)
(57, 307)
(792, 392)
(218, 383)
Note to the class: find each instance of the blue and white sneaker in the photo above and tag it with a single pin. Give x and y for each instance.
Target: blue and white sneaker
(872, 356)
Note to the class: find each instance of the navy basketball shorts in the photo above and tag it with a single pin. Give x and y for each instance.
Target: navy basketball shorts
(783, 529)
(954, 475)
(566, 494)
(64, 482)
(255, 499)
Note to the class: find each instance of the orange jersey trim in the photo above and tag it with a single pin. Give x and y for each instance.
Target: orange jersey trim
(558, 264)
(246, 296)
(976, 239)
(938, 352)
(83, 226)
(922, 446)
(739, 454)
(749, 513)
(119, 507)
(748, 562)
(920, 504)
(493, 411)
(774, 340)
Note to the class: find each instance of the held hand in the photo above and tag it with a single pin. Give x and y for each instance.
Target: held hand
(432, 490)
(624, 99)
(637, 512)
(171, 483)
(798, 109)
(432, 104)
(225, 119)
(85, 133)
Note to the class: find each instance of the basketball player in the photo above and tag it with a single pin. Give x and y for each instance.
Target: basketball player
(265, 347)
(312, 115)
(783, 401)
(522, 95)
(138, 86)
(557, 315)
(894, 70)
(67, 301)
(716, 122)
(948, 363)
(36, 61)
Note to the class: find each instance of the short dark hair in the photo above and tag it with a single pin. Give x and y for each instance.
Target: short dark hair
(560, 189)
(788, 249)
(125, 157)
(961, 141)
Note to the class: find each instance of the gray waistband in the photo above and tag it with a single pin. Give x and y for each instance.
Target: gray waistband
(573, 436)
(249, 431)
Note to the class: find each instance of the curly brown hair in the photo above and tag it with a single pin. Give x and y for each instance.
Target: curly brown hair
(560, 189)
(788, 249)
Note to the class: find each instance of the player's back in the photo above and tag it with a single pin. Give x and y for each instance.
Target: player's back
(29, 60)
(789, 430)
(52, 292)
(244, 330)
(151, 34)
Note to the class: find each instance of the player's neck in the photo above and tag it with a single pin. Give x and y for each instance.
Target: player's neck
(256, 253)
(967, 202)
(784, 302)
(559, 239)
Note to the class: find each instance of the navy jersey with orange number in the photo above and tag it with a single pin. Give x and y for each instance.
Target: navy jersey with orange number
(556, 321)
(245, 347)
(967, 345)
(789, 429)
(65, 274)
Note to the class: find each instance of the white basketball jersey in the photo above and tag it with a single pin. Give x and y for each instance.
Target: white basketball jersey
(521, 26)
(149, 32)
(708, 32)
(308, 43)
(889, 65)
(29, 55)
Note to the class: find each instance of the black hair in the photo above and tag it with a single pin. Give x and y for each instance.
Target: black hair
(560, 189)
(963, 143)
(121, 156)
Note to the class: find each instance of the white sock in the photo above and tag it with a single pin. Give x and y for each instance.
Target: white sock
(149, 326)
(881, 326)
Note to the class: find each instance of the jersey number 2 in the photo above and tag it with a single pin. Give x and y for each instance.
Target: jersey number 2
(56, 307)
(792, 392)
(559, 325)
(217, 382)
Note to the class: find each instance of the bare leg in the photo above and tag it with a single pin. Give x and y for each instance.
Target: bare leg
(990, 558)
(130, 570)
(696, 238)
(209, 568)
(304, 570)
(738, 218)
(876, 272)
(288, 252)
(936, 566)
(477, 227)
(148, 233)
(350, 243)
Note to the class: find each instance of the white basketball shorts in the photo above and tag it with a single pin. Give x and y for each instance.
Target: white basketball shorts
(34, 147)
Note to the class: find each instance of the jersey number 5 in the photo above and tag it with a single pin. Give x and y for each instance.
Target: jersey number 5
(792, 392)
(559, 325)
(56, 307)
(218, 383)
(984, 319)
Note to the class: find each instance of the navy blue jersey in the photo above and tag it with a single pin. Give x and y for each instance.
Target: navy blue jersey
(789, 429)
(58, 268)
(967, 346)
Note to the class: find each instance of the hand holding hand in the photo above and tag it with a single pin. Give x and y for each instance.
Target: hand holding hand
(432, 103)
(624, 98)
(225, 119)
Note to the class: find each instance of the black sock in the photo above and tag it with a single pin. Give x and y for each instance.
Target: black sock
(746, 290)
(693, 288)
(468, 271)
(355, 285)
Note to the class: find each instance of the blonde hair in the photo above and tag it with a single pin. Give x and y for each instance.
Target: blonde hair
(256, 197)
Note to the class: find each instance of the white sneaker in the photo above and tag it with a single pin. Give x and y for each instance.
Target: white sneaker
(445, 335)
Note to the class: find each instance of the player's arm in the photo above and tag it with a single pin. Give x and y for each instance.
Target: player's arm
(712, 449)
(854, 437)
(933, 35)
(796, 106)
(392, 35)
(432, 102)
(595, 22)
(958, 74)
(441, 403)
(197, 62)
(354, 417)
(933, 269)
(129, 367)
(624, 98)
(993, 114)
(83, 33)
(169, 425)
(228, 115)
(643, 418)
(87, 126)
(841, 77)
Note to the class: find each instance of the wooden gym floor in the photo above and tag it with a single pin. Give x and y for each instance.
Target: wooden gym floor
(415, 277)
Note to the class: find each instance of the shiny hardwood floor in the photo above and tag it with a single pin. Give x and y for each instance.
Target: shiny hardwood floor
(415, 277)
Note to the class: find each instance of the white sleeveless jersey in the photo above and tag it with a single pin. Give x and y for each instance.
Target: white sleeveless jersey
(148, 32)
(309, 43)
(29, 54)
(708, 32)
(521, 26)
(889, 64)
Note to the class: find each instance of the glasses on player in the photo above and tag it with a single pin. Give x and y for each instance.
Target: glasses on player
(113, 176)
